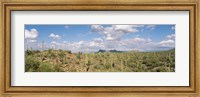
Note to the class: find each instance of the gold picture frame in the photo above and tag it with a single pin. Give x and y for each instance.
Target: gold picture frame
(119, 5)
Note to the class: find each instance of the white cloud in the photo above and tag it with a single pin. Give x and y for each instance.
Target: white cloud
(167, 43)
(74, 46)
(109, 45)
(31, 34)
(151, 27)
(172, 36)
(66, 26)
(78, 46)
(32, 41)
(54, 42)
(54, 36)
(97, 28)
(98, 40)
(115, 32)
(30, 38)
(112, 38)
(134, 40)
(65, 42)
(125, 28)
(173, 27)
(135, 43)
(94, 45)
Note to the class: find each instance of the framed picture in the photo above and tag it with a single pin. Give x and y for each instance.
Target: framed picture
(100, 48)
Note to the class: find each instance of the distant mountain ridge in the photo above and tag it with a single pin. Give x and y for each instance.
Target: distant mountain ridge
(101, 51)
(116, 51)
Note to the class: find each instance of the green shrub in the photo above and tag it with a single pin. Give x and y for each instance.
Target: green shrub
(99, 67)
(78, 56)
(31, 64)
(107, 66)
(57, 68)
(29, 52)
(89, 63)
(45, 67)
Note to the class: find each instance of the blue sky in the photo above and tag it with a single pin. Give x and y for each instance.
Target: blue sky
(78, 38)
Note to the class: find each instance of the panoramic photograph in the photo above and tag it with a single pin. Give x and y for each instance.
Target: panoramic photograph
(99, 48)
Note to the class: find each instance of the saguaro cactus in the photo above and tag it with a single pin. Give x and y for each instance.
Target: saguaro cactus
(86, 57)
(27, 47)
(170, 59)
(43, 45)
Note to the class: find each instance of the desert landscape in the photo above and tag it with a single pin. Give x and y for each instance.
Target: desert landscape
(99, 48)
(102, 61)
